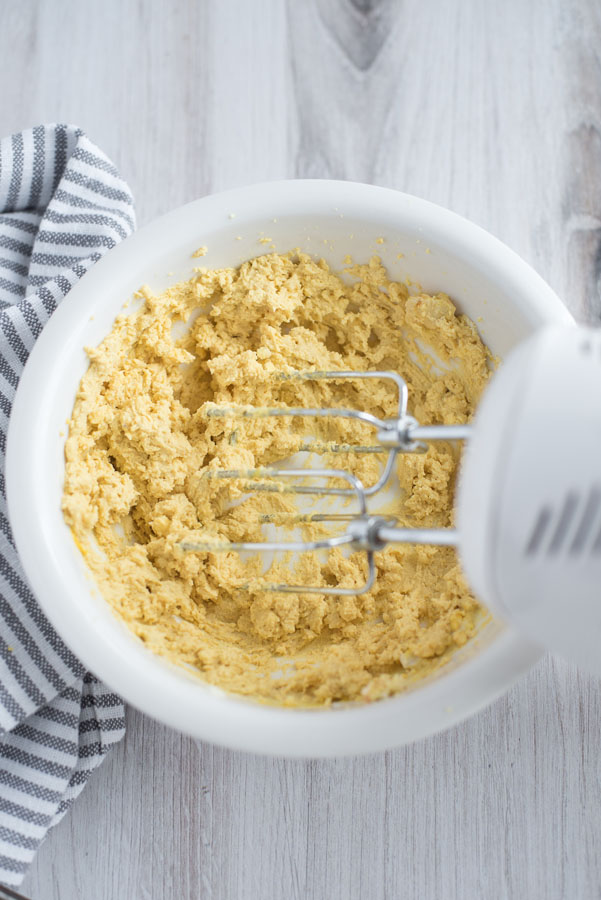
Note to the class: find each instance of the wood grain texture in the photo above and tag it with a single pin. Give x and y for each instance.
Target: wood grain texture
(492, 109)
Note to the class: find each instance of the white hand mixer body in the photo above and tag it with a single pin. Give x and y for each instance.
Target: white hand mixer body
(529, 494)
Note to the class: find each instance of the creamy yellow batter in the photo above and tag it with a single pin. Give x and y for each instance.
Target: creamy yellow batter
(142, 456)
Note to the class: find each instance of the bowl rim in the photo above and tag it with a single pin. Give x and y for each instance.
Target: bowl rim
(209, 713)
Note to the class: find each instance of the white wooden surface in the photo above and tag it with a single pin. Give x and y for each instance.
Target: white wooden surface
(493, 108)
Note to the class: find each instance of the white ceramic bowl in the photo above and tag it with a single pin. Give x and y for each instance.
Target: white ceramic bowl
(441, 251)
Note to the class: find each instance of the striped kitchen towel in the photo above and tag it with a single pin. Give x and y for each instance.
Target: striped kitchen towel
(62, 206)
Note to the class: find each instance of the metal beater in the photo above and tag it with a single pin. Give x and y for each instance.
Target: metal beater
(365, 532)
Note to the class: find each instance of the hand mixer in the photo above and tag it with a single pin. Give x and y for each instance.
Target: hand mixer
(528, 505)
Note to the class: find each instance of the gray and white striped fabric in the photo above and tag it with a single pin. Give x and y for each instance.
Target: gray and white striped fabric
(62, 205)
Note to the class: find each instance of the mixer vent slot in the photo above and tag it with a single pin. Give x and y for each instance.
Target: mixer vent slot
(570, 528)
(563, 523)
(587, 520)
(539, 531)
(597, 544)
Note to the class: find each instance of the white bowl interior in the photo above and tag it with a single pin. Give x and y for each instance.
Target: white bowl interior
(329, 219)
